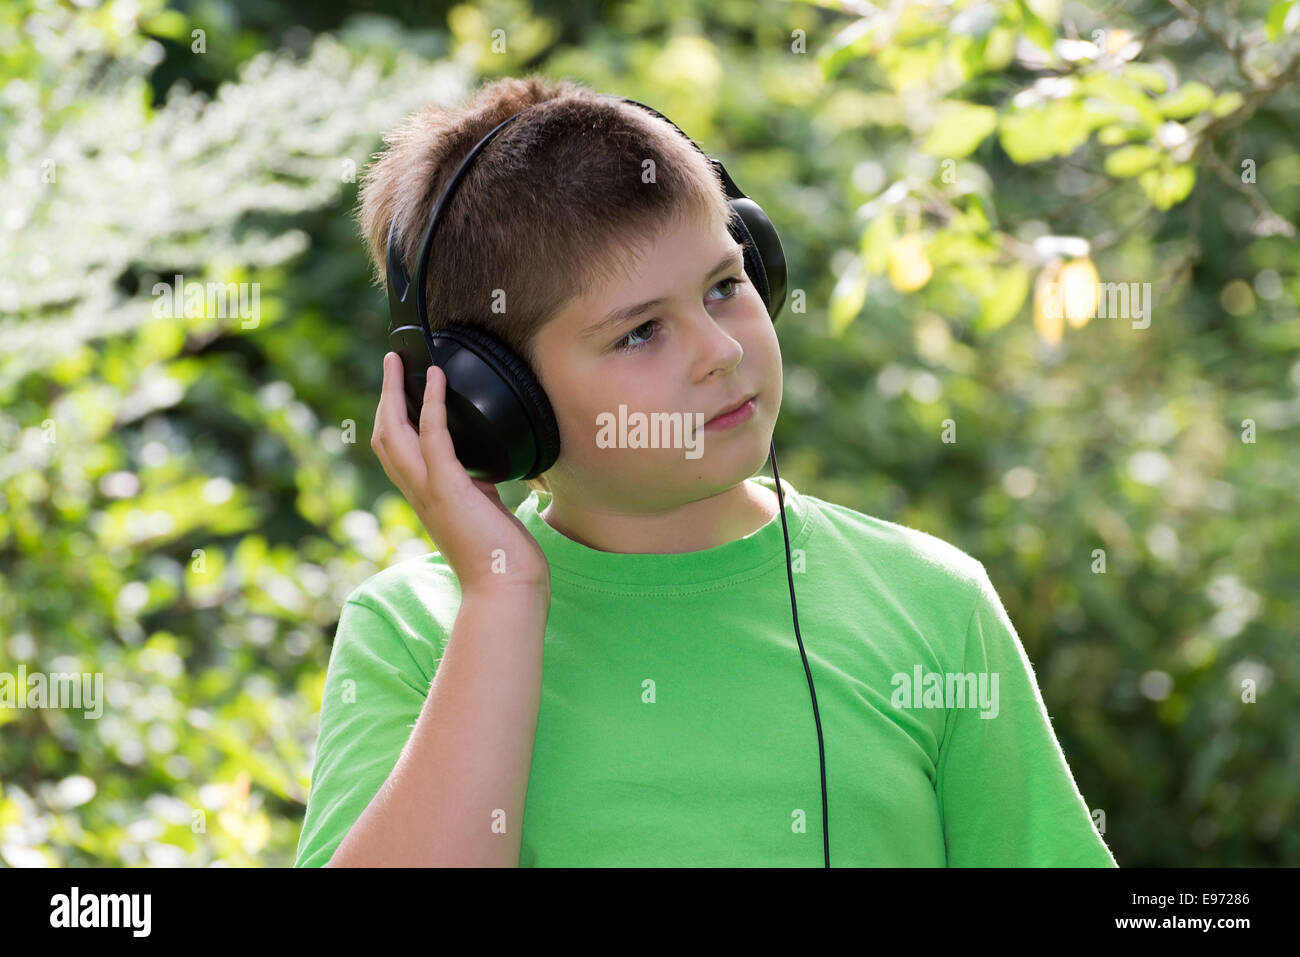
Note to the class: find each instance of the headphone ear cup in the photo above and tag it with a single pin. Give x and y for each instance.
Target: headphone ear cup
(500, 420)
(764, 256)
(753, 266)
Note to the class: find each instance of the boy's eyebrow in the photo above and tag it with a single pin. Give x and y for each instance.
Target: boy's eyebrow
(626, 313)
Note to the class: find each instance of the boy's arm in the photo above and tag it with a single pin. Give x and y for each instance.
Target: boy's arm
(409, 774)
(1006, 794)
(373, 695)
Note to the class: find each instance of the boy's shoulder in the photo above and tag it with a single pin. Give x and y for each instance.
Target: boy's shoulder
(421, 584)
(899, 552)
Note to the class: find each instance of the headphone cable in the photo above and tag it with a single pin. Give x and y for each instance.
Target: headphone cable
(821, 751)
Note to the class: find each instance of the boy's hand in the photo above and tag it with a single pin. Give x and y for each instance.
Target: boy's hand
(464, 516)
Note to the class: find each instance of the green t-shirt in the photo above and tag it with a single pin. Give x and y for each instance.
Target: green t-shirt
(676, 726)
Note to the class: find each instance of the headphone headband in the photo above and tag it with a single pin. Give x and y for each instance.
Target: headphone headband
(415, 313)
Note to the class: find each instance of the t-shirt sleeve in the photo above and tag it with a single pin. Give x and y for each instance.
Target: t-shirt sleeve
(374, 690)
(1006, 794)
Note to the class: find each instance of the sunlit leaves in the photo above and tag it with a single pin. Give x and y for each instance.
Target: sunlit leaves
(959, 128)
(1168, 184)
(877, 240)
(1123, 99)
(1226, 103)
(849, 108)
(1002, 296)
(862, 37)
(1131, 160)
(494, 48)
(1283, 17)
(173, 511)
(1042, 132)
(848, 296)
(909, 266)
(1187, 100)
(1147, 76)
(911, 66)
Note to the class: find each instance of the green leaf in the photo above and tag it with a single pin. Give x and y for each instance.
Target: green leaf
(848, 109)
(1167, 186)
(911, 66)
(1116, 134)
(1148, 76)
(999, 48)
(1048, 10)
(1226, 103)
(877, 239)
(1188, 100)
(853, 42)
(959, 128)
(848, 296)
(1122, 99)
(1023, 136)
(1131, 160)
(949, 247)
(1037, 32)
(1040, 133)
(167, 23)
(974, 219)
(1004, 300)
(1277, 19)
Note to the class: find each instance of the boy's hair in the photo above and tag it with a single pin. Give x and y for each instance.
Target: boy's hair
(562, 200)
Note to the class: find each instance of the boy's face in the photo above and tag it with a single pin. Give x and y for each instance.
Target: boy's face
(709, 344)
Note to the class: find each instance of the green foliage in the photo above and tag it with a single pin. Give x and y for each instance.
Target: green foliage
(186, 497)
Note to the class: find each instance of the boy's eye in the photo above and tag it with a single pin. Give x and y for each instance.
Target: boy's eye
(628, 343)
(734, 280)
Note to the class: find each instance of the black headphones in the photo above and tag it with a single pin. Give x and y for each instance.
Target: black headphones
(500, 421)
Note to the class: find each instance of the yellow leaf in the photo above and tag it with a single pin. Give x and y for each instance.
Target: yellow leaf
(909, 266)
(1049, 314)
(1078, 281)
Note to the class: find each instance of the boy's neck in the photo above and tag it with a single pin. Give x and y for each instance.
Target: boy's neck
(706, 523)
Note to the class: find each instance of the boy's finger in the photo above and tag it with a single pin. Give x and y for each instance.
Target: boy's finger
(400, 445)
(435, 440)
(381, 408)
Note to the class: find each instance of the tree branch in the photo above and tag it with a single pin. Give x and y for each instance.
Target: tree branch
(1270, 223)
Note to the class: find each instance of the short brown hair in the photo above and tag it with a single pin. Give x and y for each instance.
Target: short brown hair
(558, 202)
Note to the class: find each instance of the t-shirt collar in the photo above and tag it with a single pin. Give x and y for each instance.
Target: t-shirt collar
(745, 557)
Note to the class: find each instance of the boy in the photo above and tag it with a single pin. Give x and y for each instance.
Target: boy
(608, 676)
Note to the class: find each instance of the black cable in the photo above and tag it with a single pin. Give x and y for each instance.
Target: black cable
(821, 751)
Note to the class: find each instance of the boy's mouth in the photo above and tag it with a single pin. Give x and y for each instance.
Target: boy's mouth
(734, 413)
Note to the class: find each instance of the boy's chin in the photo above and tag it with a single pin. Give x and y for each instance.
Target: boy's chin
(718, 472)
